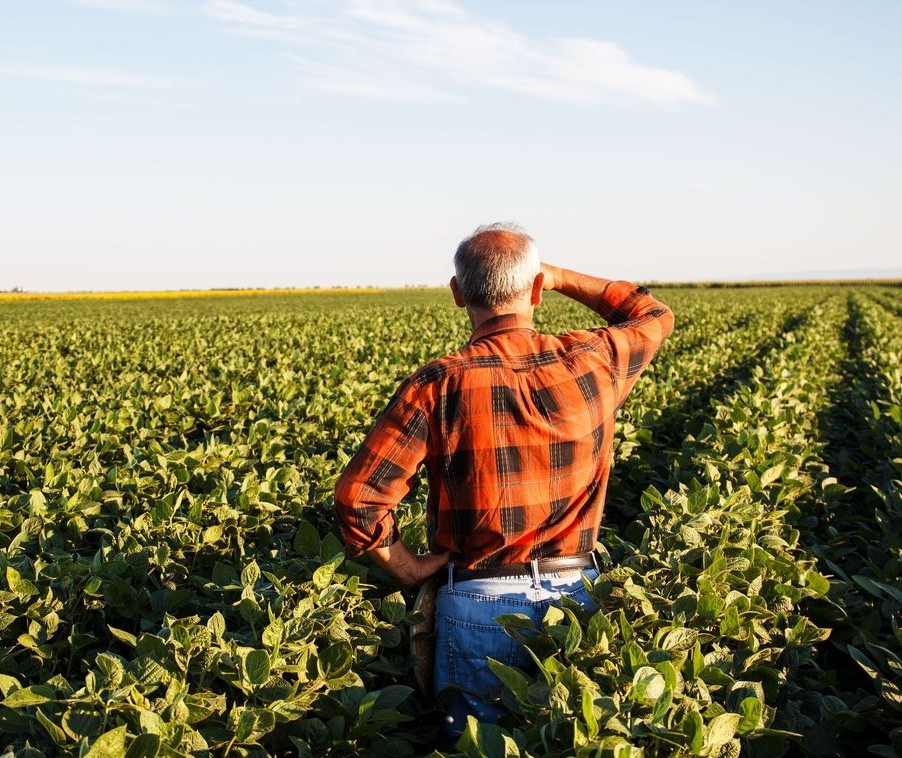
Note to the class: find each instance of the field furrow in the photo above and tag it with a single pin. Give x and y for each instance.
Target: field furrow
(171, 577)
(680, 396)
(857, 537)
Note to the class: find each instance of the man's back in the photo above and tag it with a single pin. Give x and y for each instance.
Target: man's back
(515, 431)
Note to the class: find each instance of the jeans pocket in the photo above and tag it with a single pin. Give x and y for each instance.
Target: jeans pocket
(469, 645)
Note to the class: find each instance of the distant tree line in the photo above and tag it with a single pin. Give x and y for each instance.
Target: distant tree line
(777, 283)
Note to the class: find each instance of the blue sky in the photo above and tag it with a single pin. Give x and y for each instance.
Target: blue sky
(150, 144)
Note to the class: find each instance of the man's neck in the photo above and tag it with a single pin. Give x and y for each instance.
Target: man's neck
(478, 316)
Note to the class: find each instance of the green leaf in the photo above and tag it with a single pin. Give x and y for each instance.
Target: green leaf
(487, 740)
(147, 672)
(150, 722)
(393, 695)
(257, 667)
(217, 626)
(866, 663)
(36, 694)
(574, 634)
(108, 745)
(306, 540)
(680, 639)
(696, 661)
(615, 746)
(877, 589)
(37, 503)
(741, 689)
(250, 609)
(894, 592)
(127, 637)
(753, 481)
(662, 705)
(111, 667)
(599, 628)
(648, 685)
(626, 628)
(714, 675)
(273, 634)
(651, 500)
(670, 674)
(588, 707)
(772, 474)
(83, 720)
(751, 711)
(335, 661)
(512, 678)
(721, 729)
(709, 606)
(516, 621)
(817, 583)
(394, 608)
(331, 547)
(868, 585)
(694, 728)
(729, 625)
(120, 595)
(322, 577)
(633, 657)
(250, 724)
(212, 534)
(250, 575)
(19, 585)
(224, 575)
(8, 684)
(56, 734)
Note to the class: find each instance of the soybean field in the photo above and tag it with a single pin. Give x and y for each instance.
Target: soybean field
(172, 581)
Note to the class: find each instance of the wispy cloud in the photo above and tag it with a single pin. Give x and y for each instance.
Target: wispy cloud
(83, 76)
(369, 84)
(152, 7)
(429, 49)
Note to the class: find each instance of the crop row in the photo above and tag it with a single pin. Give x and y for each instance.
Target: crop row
(169, 559)
(702, 638)
(857, 538)
(171, 581)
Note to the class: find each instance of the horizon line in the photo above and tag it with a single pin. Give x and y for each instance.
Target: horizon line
(22, 294)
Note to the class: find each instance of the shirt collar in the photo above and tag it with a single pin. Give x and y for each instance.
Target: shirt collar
(503, 323)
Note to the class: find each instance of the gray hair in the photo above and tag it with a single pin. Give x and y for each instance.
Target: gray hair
(495, 265)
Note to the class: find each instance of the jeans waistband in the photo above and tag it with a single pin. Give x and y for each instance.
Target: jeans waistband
(555, 564)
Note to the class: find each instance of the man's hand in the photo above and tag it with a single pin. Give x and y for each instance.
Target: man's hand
(552, 276)
(406, 566)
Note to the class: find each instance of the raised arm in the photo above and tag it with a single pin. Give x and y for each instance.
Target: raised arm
(615, 301)
(638, 323)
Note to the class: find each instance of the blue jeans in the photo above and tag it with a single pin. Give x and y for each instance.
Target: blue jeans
(467, 633)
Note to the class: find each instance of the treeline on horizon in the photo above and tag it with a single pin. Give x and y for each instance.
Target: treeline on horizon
(19, 293)
(776, 283)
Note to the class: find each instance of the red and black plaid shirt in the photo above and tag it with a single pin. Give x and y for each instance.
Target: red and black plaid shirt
(515, 431)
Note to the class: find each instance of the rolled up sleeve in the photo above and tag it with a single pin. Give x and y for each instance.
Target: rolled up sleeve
(638, 324)
(381, 473)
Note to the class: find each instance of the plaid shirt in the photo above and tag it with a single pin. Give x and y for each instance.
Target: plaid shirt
(515, 431)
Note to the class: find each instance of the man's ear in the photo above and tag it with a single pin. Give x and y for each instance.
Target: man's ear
(538, 285)
(458, 300)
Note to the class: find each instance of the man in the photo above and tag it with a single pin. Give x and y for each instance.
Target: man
(515, 430)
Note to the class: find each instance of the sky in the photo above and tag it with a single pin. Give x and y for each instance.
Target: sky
(178, 144)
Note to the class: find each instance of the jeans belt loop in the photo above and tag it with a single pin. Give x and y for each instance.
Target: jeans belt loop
(536, 582)
(451, 576)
